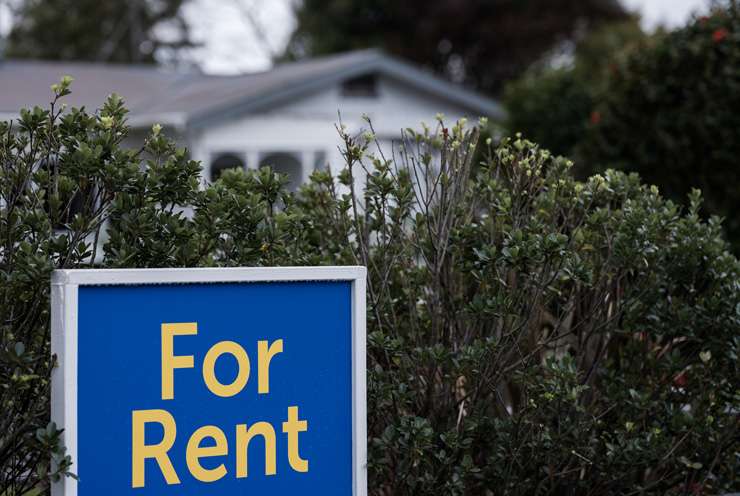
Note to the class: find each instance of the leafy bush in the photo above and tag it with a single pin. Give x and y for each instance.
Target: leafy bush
(69, 190)
(670, 113)
(528, 333)
(535, 334)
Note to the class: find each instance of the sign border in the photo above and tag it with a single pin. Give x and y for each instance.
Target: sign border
(65, 305)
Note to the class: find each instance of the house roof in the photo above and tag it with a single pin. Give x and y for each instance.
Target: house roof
(153, 94)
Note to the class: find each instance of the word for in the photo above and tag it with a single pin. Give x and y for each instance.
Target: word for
(217, 444)
(170, 362)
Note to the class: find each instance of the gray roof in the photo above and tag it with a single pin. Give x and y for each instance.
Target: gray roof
(153, 94)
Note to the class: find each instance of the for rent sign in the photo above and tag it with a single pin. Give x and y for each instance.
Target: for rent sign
(211, 381)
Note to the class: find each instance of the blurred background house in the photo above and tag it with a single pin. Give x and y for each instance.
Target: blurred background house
(642, 85)
(284, 117)
(245, 83)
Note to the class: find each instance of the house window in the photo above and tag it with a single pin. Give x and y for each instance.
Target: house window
(224, 161)
(362, 86)
(285, 163)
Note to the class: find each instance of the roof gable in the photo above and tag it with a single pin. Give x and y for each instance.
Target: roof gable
(300, 79)
(195, 99)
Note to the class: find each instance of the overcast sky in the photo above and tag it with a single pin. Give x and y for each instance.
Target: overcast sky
(669, 13)
(232, 45)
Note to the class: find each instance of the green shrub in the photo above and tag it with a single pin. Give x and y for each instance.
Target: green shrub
(670, 113)
(69, 190)
(528, 333)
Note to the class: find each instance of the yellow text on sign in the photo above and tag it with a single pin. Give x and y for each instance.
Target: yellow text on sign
(218, 447)
(217, 443)
(265, 353)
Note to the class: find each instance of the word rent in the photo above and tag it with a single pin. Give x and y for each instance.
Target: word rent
(217, 444)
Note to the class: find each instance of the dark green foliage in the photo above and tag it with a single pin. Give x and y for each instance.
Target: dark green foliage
(96, 30)
(481, 43)
(527, 333)
(557, 106)
(670, 113)
(531, 334)
(552, 106)
(68, 190)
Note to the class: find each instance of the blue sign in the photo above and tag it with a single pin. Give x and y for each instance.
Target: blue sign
(237, 381)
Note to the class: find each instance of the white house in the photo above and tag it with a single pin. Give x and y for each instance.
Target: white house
(284, 117)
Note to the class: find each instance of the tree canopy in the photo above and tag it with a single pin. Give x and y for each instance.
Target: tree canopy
(97, 30)
(663, 105)
(480, 43)
(555, 106)
(669, 112)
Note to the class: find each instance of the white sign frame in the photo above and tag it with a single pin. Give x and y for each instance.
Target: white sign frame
(64, 308)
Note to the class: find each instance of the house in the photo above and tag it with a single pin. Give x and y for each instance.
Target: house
(284, 117)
